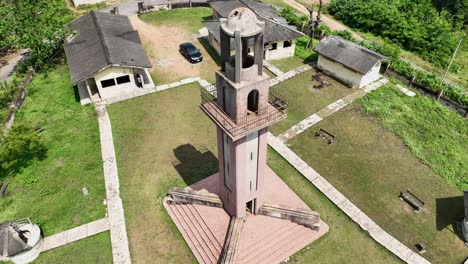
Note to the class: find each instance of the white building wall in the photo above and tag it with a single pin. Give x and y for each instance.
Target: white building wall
(86, 2)
(281, 52)
(339, 71)
(372, 76)
(112, 73)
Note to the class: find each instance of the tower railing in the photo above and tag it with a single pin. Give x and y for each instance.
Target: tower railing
(274, 111)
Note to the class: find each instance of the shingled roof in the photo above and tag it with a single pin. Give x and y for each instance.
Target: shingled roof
(103, 40)
(349, 54)
(276, 27)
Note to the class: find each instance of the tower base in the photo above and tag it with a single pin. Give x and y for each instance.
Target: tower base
(263, 239)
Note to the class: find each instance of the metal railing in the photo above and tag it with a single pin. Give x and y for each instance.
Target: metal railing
(275, 110)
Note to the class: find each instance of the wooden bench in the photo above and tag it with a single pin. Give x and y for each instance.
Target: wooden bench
(326, 135)
(412, 200)
(3, 187)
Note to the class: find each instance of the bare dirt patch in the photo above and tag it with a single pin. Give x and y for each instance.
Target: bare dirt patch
(161, 44)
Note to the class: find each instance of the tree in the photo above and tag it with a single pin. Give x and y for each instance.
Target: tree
(18, 147)
(37, 25)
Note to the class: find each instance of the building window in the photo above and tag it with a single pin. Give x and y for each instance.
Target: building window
(274, 46)
(123, 79)
(287, 44)
(107, 83)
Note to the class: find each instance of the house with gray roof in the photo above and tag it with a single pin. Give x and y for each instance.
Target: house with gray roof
(106, 58)
(279, 37)
(348, 61)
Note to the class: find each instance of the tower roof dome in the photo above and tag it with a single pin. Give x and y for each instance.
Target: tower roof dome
(244, 20)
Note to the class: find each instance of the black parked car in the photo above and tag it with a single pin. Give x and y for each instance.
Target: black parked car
(190, 52)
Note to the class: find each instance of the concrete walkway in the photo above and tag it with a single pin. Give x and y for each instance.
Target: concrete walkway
(272, 68)
(288, 75)
(118, 231)
(351, 210)
(329, 110)
(6, 72)
(75, 234)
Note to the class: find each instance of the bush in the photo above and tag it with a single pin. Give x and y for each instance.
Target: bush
(8, 91)
(18, 147)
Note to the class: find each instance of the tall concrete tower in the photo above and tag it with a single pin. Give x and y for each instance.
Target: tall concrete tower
(242, 108)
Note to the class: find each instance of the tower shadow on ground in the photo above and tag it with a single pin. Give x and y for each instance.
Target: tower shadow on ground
(194, 164)
(449, 210)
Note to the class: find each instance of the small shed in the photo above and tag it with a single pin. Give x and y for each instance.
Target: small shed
(106, 58)
(348, 61)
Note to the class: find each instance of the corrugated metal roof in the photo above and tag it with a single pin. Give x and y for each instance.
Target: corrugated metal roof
(103, 39)
(349, 54)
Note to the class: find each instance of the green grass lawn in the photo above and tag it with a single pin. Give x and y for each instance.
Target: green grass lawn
(302, 55)
(303, 99)
(50, 190)
(163, 140)
(92, 250)
(371, 165)
(288, 64)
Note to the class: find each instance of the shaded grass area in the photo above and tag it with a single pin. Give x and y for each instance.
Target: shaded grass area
(164, 140)
(304, 100)
(94, 249)
(371, 166)
(353, 245)
(50, 190)
(433, 133)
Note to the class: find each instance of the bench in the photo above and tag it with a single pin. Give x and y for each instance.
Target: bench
(409, 197)
(3, 187)
(326, 135)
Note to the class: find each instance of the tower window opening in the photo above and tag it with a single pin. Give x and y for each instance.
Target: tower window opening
(252, 101)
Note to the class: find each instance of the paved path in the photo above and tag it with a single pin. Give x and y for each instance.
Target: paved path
(351, 210)
(6, 72)
(272, 68)
(75, 234)
(118, 231)
(329, 110)
(288, 75)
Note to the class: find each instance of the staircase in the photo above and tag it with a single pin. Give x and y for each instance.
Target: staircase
(205, 245)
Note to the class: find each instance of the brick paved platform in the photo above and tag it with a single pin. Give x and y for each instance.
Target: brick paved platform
(263, 239)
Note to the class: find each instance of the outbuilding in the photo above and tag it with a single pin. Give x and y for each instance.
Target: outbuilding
(349, 62)
(106, 58)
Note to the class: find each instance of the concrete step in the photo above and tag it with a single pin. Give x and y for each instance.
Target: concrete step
(202, 230)
(218, 244)
(200, 234)
(198, 250)
(252, 246)
(301, 241)
(262, 251)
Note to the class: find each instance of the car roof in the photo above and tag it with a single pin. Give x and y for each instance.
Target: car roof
(188, 45)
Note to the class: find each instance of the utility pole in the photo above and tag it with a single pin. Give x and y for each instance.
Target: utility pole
(447, 70)
(311, 27)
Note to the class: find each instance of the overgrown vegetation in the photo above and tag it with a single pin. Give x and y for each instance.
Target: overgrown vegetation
(19, 146)
(50, 189)
(35, 25)
(415, 25)
(8, 92)
(434, 134)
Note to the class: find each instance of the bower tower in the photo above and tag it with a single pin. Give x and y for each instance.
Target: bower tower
(229, 217)
(242, 112)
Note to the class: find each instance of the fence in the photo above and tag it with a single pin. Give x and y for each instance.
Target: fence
(19, 99)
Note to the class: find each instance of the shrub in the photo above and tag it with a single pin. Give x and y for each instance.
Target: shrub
(18, 147)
